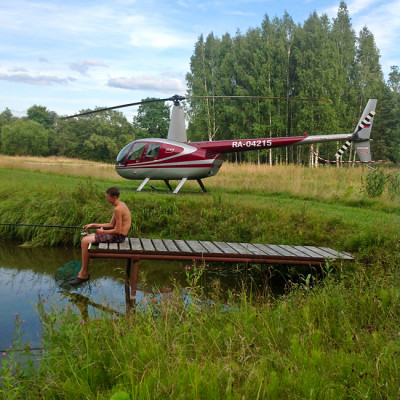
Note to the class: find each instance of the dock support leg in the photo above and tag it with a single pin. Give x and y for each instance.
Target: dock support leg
(131, 276)
(127, 287)
(134, 276)
(201, 185)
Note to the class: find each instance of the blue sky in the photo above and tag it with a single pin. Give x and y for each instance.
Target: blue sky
(69, 55)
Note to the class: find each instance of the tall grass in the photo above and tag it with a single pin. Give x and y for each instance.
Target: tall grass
(335, 340)
(365, 226)
(327, 182)
(328, 337)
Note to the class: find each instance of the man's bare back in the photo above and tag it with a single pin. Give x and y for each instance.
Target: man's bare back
(121, 210)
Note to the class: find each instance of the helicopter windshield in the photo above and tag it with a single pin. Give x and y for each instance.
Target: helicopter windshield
(123, 153)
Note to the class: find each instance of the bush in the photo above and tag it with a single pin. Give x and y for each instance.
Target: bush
(375, 183)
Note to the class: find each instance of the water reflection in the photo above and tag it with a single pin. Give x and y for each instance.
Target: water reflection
(27, 273)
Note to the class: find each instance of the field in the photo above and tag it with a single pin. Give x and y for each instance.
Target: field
(332, 334)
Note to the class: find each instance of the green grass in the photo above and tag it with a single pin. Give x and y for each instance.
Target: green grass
(336, 340)
(331, 335)
(367, 227)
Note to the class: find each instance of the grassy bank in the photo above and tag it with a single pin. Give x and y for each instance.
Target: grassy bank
(332, 335)
(336, 340)
(367, 227)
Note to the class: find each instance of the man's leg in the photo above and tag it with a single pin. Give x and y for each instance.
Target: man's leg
(84, 272)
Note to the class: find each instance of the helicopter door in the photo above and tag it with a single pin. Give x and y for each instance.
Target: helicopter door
(152, 151)
(136, 153)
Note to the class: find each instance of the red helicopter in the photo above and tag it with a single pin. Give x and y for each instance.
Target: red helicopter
(176, 159)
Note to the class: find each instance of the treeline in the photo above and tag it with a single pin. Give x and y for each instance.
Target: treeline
(97, 137)
(320, 59)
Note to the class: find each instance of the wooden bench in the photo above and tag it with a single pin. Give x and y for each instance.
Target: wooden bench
(135, 249)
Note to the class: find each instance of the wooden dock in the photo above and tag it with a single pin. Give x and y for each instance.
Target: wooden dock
(167, 249)
(135, 249)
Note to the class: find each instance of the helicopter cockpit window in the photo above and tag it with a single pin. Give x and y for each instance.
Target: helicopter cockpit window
(152, 150)
(123, 153)
(137, 151)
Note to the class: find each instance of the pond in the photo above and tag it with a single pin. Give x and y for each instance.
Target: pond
(27, 273)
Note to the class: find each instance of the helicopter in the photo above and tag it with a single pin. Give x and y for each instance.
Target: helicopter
(175, 158)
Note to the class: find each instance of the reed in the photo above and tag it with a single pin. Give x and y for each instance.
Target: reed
(331, 334)
(334, 339)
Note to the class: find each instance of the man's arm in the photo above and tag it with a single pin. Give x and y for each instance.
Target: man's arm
(107, 225)
(114, 226)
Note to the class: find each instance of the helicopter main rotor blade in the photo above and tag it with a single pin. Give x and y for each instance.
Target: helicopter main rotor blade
(260, 97)
(176, 99)
(120, 106)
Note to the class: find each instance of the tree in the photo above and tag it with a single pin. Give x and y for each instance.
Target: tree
(370, 85)
(389, 146)
(24, 138)
(42, 115)
(74, 137)
(6, 118)
(152, 120)
(102, 147)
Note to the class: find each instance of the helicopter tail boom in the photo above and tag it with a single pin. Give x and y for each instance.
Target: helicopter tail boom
(360, 137)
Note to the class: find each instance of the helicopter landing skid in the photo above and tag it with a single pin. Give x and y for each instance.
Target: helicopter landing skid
(167, 183)
(201, 185)
(142, 185)
(180, 184)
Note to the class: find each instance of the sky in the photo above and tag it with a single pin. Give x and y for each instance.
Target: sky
(72, 55)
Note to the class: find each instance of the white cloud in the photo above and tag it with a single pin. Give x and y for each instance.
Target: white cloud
(39, 80)
(149, 83)
(83, 66)
(159, 40)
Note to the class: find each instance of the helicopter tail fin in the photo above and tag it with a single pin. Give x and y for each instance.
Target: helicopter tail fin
(177, 129)
(362, 133)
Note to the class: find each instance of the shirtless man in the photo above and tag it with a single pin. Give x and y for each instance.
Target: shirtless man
(113, 232)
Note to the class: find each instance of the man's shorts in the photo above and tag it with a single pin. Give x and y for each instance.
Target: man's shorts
(107, 238)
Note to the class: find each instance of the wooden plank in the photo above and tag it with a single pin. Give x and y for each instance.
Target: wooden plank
(211, 247)
(113, 246)
(239, 248)
(136, 245)
(280, 250)
(255, 250)
(309, 252)
(319, 251)
(225, 248)
(103, 246)
(267, 250)
(183, 246)
(124, 246)
(147, 245)
(294, 250)
(170, 245)
(348, 254)
(159, 245)
(336, 254)
(196, 246)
